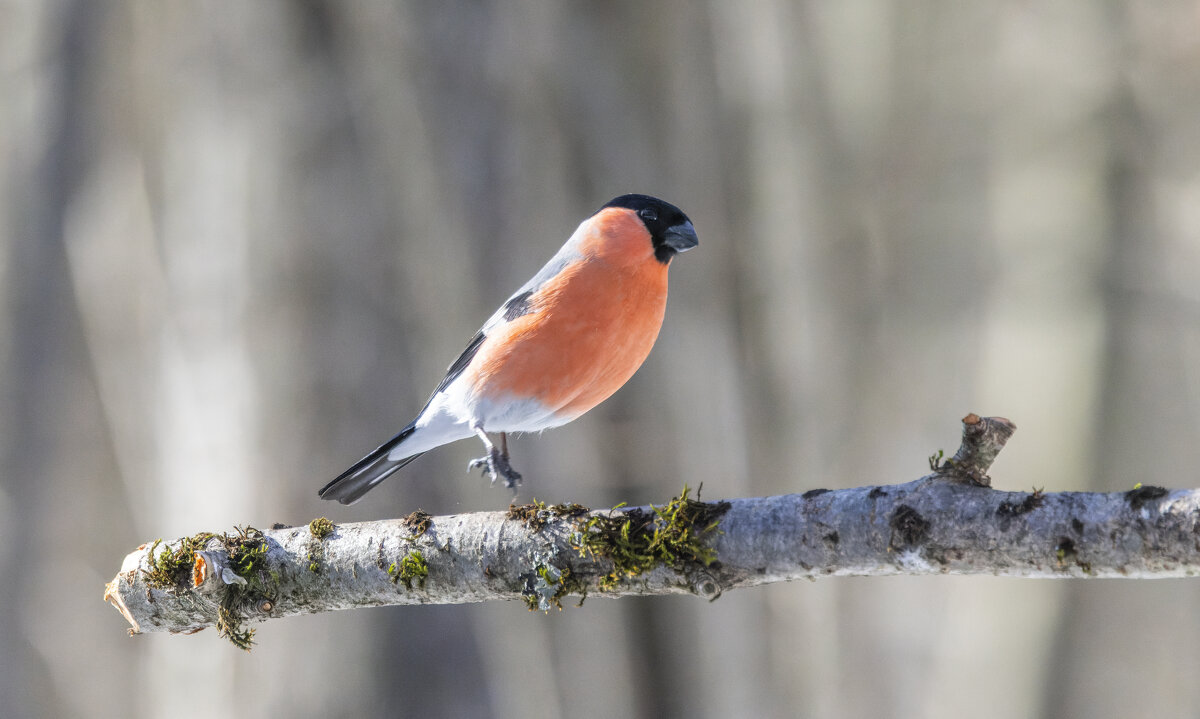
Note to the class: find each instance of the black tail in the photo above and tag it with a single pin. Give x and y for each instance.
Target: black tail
(351, 485)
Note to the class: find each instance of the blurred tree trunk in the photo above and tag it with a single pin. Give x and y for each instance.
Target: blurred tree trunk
(50, 429)
(1114, 639)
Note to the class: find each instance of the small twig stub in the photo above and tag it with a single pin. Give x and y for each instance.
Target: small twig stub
(983, 438)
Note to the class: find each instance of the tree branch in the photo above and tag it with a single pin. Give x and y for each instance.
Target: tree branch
(948, 522)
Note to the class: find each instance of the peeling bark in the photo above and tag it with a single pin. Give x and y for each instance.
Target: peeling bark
(949, 522)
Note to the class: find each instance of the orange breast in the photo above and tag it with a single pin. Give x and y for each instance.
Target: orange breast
(590, 328)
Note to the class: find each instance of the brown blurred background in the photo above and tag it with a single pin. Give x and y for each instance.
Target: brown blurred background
(240, 242)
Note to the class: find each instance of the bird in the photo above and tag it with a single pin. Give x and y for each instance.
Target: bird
(564, 342)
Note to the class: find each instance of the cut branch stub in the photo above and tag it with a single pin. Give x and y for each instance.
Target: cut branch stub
(983, 438)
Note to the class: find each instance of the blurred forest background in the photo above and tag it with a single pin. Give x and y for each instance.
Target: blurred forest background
(241, 241)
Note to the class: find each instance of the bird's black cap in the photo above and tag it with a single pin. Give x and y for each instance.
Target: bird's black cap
(670, 230)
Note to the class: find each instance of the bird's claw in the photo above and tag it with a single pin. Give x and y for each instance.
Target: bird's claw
(496, 465)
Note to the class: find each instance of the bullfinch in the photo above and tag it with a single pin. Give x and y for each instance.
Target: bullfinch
(563, 343)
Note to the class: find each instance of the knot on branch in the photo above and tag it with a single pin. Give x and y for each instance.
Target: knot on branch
(983, 438)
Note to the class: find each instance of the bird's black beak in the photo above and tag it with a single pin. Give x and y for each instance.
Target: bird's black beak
(681, 237)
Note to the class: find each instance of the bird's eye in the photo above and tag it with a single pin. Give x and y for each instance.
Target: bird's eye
(649, 214)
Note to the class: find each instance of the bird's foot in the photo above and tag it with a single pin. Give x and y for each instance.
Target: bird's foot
(496, 465)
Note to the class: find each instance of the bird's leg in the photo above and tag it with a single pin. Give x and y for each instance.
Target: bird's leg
(496, 462)
(485, 462)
